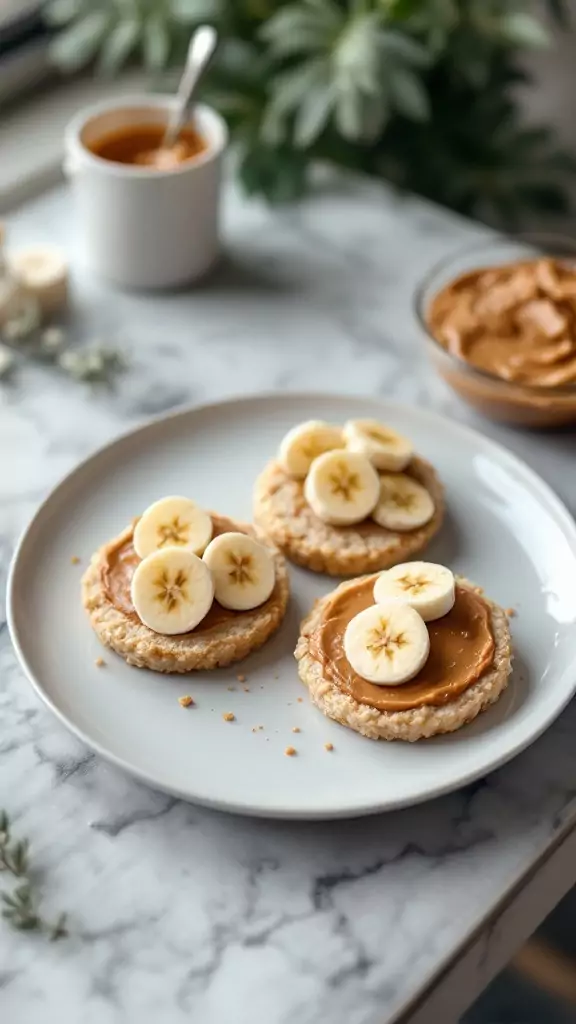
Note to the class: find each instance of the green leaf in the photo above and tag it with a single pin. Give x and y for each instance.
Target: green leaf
(277, 173)
(357, 57)
(349, 110)
(194, 12)
(77, 46)
(12, 903)
(521, 29)
(20, 858)
(118, 46)
(59, 929)
(23, 894)
(406, 50)
(290, 88)
(156, 42)
(4, 826)
(409, 95)
(304, 39)
(313, 115)
(299, 28)
(59, 12)
(560, 11)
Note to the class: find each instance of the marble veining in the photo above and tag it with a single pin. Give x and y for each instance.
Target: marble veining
(178, 913)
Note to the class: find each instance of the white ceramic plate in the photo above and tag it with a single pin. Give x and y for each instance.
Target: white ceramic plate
(505, 530)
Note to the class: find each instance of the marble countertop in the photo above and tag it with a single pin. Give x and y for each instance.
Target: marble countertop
(178, 913)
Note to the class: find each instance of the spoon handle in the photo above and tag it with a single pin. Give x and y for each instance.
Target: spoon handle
(200, 52)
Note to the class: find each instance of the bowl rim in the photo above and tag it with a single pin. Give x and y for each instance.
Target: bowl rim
(535, 237)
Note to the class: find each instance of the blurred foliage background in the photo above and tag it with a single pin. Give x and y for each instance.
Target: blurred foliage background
(423, 93)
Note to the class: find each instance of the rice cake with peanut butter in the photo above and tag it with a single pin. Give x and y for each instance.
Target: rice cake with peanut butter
(467, 667)
(388, 529)
(222, 637)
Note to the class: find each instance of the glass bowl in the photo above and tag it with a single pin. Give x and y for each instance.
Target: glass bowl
(499, 399)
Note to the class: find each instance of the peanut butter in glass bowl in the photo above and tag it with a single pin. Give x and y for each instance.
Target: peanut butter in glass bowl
(500, 326)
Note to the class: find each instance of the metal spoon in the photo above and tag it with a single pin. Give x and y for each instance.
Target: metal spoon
(200, 52)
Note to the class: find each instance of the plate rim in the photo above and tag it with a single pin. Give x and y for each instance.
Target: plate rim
(431, 792)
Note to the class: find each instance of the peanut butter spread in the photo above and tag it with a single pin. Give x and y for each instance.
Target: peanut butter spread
(121, 562)
(461, 649)
(516, 321)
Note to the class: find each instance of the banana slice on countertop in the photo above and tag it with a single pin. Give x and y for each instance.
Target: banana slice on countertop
(242, 569)
(306, 442)
(387, 643)
(384, 447)
(172, 591)
(428, 588)
(342, 487)
(42, 270)
(403, 503)
(172, 522)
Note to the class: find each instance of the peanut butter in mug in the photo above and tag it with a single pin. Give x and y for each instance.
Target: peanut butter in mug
(141, 145)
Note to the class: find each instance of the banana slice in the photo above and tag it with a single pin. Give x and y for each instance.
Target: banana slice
(387, 643)
(172, 522)
(384, 447)
(172, 591)
(242, 570)
(42, 270)
(428, 588)
(342, 487)
(403, 503)
(305, 443)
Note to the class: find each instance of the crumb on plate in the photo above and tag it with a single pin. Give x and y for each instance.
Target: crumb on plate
(296, 728)
(290, 751)
(75, 560)
(186, 701)
(328, 746)
(99, 662)
(228, 716)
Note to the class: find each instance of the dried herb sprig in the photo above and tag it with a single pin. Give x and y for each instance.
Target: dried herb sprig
(23, 336)
(20, 904)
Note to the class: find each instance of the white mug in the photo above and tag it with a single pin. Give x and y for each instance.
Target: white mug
(141, 227)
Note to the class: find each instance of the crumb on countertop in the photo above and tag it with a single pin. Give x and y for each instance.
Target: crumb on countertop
(99, 662)
(300, 700)
(328, 746)
(296, 728)
(510, 612)
(75, 560)
(229, 716)
(290, 751)
(186, 701)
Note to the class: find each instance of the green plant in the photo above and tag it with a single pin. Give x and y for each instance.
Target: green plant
(421, 92)
(20, 905)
